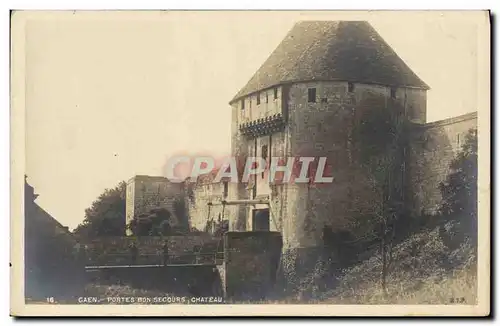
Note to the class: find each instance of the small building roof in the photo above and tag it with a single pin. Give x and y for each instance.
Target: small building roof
(332, 50)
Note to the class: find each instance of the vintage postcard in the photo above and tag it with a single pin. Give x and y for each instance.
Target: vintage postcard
(250, 163)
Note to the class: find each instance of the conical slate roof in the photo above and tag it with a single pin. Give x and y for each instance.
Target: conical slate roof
(332, 50)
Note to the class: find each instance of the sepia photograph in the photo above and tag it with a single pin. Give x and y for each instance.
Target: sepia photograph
(168, 163)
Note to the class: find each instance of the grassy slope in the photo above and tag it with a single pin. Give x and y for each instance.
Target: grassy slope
(425, 271)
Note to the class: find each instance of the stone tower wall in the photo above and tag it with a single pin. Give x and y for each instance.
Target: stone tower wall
(324, 128)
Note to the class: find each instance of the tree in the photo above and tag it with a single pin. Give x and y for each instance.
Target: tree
(380, 137)
(154, 223)
(106, 216)
(459, 190)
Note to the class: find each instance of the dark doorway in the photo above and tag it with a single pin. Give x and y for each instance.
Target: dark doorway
(260, 219)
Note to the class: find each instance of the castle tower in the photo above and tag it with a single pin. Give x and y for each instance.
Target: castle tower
(305, 100)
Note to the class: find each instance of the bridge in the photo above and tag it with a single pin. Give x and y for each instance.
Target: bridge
(124, 260)
(252, 256)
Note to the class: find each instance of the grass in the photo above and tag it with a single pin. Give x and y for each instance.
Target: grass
(425, 271)
(458, 288)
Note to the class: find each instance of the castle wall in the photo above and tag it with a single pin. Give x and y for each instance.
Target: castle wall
(415, 102)
(433, 147)
(145, 193)
(130, 203)
(199, 197)
(116, 250)
(239, 150)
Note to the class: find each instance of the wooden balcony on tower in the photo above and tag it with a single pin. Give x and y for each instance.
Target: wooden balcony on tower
(263, 126)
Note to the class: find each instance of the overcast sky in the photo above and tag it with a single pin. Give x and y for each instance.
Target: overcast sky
(112, 95)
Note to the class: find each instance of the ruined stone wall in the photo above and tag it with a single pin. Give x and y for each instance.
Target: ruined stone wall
(116, 250)
(200, 212)
(145, 193)
(433, 147)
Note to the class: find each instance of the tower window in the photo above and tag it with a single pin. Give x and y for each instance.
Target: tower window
(393, 92)
(350, 87)
(311, 95)
(267, 97)
(243, 104)
(250, 101)
(275, 93)
(258, 99)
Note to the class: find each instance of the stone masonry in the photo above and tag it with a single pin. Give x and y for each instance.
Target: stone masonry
(433, 147)
(145, 193)
(203, 201)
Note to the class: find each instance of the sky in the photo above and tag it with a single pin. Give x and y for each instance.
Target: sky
(112, 95)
